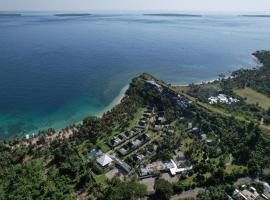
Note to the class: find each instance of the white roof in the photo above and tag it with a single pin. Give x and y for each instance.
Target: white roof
(176, 170)
(104, 160)
(153, 83)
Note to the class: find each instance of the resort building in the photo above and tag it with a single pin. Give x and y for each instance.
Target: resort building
(163, 166)
(154, 85)
(222, 98)
(175, 170)
(115, 141)
(104, 161)
(132, 145)
(246, 193)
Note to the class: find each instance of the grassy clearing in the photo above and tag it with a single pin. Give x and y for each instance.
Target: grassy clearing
(137, 117)
(181, 88)
(188, 181)
(100, 179)
(235, 168)
(103, 146)
(266, 130)
(254, 97)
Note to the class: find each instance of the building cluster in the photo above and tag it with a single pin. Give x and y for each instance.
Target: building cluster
(146, 117)
(154, 85)
(176, 98)
(137, 146)
(172, 167)
(222, 98)
(105, 162)
(120, 139)
(251, 193)
(159, 121)
(134, 144)
(200, 135)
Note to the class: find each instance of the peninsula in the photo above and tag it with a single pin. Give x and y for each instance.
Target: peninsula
(204, 141)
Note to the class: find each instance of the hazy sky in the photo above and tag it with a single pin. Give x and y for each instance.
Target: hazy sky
(183, 5)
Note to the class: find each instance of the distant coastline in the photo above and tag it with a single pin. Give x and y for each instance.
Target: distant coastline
(172, 15)
(10, 15)
(254, 15)
(72, 14)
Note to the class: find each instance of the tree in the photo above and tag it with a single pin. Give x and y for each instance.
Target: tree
(126, 190)
(163, 189)
(213, 193)
(268, 111)
(267, 119)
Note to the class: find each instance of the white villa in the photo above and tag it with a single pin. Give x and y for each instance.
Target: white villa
(175, 170)
(104, 160)
(222, 98)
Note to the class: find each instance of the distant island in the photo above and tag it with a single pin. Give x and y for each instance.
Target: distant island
(72, 14)
(10, 15)
(255, 15)
(172, 15)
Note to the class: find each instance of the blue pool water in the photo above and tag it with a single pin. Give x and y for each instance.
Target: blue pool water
(55, 71)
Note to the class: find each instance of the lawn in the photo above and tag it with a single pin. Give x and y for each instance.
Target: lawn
(103, 146)
(137, 117)
(181, 88)
(253, 97)
(100, 179)
(234, 168)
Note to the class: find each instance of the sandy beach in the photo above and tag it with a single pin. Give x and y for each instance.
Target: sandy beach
(117, 100)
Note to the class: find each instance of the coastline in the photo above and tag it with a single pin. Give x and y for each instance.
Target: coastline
(198, 83)
(256, 60)
(71, 129)
(117, 100)
(257, 64)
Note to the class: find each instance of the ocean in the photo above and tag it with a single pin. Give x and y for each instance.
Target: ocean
(57, 70)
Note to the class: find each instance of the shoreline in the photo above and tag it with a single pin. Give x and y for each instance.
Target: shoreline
(257, 64)
(198, 83)
(68, 130)
(256, 60)
(117, 100)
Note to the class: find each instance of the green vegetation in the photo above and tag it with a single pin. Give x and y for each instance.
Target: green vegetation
(257, 79)
(163, 189)
(57, 167)
(253, 97)
(124, 190)
(215, 193)
(136, 118)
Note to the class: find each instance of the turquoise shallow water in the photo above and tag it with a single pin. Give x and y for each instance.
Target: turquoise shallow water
(55, 71)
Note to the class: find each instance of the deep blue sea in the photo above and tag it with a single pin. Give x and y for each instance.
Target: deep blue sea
(54, 71)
